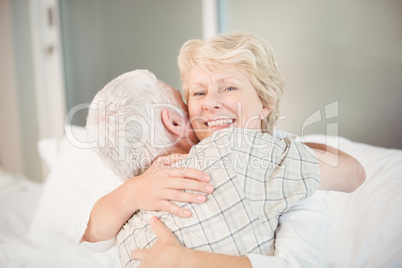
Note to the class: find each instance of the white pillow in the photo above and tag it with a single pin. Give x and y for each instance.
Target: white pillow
(76, 175)
(49, 149)
(366, 224)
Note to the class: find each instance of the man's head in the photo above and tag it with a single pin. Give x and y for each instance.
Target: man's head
(135, 118)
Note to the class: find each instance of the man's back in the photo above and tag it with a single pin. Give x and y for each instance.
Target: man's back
(252, 189)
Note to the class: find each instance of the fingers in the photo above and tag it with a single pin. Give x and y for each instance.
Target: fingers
(137, 254)
(160, 229)
(189, 179)
(189, 185)
(179, 196)
(165, 237)
(171, 208)
(184, 197)
(190, 173)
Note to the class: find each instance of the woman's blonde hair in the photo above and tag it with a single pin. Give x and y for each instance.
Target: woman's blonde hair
(241, 49)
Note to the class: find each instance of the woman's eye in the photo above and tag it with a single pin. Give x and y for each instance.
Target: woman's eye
(230, 88)
(198, 93)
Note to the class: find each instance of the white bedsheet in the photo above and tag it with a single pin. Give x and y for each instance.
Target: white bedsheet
(36, 219)
(19, 199)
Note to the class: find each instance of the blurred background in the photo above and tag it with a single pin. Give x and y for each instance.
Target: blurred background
(341, 60)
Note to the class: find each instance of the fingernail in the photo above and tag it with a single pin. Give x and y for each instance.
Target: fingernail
(153, 219)
(207, 178)
(209, 188)
(187, 212)
(201, 198)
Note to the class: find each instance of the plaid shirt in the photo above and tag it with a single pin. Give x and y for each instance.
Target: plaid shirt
(256, 178)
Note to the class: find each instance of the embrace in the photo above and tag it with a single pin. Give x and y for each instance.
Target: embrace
(210, 182)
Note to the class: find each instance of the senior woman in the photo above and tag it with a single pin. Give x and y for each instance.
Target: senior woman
(232, 81)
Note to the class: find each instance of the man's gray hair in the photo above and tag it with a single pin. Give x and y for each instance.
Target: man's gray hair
(125, 120)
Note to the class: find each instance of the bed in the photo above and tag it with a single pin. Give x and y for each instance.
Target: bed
(37, 223)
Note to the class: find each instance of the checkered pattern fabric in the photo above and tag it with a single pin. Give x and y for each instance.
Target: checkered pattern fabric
(256, 178)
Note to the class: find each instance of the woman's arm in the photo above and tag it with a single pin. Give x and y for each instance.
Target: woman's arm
(301, 240)
(338, 170)
(153, 190)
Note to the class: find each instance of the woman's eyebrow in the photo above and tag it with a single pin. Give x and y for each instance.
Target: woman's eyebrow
(230, 79)
(195, 86)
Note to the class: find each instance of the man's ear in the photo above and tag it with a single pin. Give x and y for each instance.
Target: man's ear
(172, 121)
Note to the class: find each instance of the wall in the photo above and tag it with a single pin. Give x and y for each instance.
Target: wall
(347, 54)
(10, 149)
(19, 121)
(103, 39)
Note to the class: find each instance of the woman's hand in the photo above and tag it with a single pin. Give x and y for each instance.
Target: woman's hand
(167, 252)
(153, 190)
(162, 183)
(164, 253)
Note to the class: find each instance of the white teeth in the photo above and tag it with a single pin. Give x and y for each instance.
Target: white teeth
(220, 122)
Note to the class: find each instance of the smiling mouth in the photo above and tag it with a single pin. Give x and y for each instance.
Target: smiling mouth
(220, 122)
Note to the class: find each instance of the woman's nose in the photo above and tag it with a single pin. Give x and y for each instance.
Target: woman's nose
(212, 102)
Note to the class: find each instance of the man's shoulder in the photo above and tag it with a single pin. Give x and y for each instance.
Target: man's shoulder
(228, 144)
(235, 138)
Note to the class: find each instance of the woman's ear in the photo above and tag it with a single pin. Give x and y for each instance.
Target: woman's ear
(172, 121)
(264, 113)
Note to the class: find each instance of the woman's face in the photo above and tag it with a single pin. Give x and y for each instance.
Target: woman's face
(224, 99)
